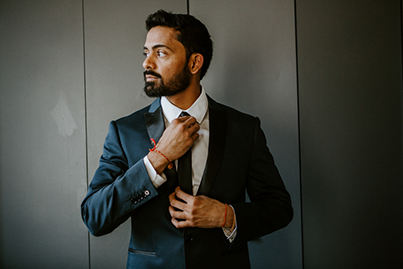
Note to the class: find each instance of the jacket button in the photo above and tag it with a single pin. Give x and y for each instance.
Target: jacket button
(188, 238)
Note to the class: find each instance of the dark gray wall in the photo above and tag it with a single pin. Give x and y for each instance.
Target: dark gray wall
(42, 135)
(69, 67)
(350, 85)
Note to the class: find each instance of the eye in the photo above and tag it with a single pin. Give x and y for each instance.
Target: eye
(145, 54)
(161, 53)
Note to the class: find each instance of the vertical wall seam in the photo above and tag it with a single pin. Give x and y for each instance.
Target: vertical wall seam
(299, 129)
(401, 66)
(401, 39)
(188, 7)
(85, 120)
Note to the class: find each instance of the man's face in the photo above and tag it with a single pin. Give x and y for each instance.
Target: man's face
(166, 67)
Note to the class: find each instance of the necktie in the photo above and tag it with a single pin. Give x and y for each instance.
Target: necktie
(185, 168)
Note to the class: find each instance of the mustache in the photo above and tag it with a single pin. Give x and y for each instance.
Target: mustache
(149, 72)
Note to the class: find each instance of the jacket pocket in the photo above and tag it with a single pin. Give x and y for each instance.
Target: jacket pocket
(141, 252)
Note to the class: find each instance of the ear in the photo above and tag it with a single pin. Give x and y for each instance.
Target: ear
(196, 61)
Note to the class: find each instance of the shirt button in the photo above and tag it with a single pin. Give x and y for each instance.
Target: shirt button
(188, 238)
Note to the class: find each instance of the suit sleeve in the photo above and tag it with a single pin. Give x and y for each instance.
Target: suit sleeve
(270, 206)
(116, 190)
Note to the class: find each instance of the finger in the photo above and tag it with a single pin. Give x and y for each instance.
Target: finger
(179, 205)
(175, 222)
(181, 224)
(190, 121)
(194, 128)
(183, 195)
(195, 136)
(177, 214)
(172, 211)
(171, 197)
(184, 118)
(180, 120)
(174, 202)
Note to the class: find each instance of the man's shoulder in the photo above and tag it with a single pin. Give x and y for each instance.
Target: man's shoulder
(133, 116)
(137, 115)
(232, 113)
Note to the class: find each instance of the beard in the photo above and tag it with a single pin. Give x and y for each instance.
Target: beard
(178, 83)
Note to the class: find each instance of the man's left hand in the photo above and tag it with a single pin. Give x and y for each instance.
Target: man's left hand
(197, 211)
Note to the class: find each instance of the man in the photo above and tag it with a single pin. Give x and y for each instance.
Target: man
(181, 177)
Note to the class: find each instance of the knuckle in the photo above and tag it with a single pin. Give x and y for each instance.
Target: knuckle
(196, 201)
(192, 219)
(191, 201)
(173, 220)
(186, 133)
(182, 128)
(189, 142)
(192, 213)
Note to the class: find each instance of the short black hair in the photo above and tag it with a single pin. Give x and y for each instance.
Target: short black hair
(193, 34)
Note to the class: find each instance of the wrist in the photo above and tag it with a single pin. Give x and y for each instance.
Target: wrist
(229, 218)
(157, 161)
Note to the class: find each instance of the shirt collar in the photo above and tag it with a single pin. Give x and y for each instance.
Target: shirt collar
(197, 110)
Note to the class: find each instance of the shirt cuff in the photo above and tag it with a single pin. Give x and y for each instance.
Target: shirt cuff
(156, 179)
(227, 231)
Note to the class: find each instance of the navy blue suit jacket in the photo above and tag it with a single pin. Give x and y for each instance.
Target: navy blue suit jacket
(238, 160)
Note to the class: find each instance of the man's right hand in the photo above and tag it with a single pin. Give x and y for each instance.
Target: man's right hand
(175, 142)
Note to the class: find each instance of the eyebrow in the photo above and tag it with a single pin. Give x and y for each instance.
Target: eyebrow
(157, 46)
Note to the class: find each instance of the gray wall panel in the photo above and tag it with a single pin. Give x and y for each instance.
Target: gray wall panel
(42, 146)
(350, 82)
(254, 70)
(114, 38)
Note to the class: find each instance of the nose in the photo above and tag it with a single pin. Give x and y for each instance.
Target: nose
(149, 63)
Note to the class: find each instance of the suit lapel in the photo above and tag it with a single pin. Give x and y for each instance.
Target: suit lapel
(155, 121)
(218, 131)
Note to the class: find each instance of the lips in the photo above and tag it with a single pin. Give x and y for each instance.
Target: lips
(151, 75)
(150, 78)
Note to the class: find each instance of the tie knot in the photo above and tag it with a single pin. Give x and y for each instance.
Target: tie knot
(183, 114)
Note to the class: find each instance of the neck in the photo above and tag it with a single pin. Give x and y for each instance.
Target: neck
(185, 99)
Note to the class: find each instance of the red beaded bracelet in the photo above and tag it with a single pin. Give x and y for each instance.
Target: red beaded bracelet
(170, 165)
